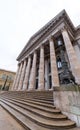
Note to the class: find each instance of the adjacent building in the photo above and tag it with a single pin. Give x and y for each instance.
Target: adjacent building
(6, 79)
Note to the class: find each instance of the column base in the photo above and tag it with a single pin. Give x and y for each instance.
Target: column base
(24, 87)
(30, 89)
(40, 89)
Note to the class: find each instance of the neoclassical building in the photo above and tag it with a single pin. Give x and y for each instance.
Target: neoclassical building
(51, 57)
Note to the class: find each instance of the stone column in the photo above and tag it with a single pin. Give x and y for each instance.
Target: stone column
(41, 69)
(18, 77)
(26, 79)
(22, 76)
(32, 80)
(15, 79)
(54, 71)
(74, 63)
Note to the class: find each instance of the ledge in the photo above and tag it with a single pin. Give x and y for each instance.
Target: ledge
(67, 88)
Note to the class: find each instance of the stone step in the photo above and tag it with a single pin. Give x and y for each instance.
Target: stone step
(27, 97)
(41, 113)
(35, 101)
(50, 103)
(45, 92)
(46, 123)
(50, 110)
(25, 122)
(42, 95)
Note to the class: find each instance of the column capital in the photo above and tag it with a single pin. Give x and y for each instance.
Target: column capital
(63, 29)
(35, 51)
(29, 56)
(21, 62)
(51, 38)
(25, 60)
(18, 64)
(42, 46)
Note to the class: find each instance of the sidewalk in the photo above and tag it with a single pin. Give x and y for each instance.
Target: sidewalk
(7, 122)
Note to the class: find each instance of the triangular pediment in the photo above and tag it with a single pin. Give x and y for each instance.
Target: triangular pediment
(44, 29)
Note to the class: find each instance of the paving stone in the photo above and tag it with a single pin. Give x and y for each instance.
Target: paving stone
(7, 122)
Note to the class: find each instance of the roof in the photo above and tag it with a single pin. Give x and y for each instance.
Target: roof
(7, 71)
(39, 33)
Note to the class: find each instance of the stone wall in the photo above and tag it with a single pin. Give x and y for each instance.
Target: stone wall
(67, 99)
(77, 51)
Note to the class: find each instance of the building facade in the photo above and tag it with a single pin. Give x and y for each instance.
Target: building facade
(51, 57)
(6, 79)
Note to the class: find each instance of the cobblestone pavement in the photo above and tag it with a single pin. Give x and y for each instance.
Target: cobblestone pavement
(7, 122)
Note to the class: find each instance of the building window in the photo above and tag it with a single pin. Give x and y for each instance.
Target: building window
(37, 71)
(36, 84)
(59, 63)
(50, 82)
(59, 42)
(49, 67)
(10, 77)
(4, 76)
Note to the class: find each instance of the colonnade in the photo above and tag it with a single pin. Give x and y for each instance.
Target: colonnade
(25, 78)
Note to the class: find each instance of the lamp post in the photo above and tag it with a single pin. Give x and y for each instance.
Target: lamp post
(3, 88)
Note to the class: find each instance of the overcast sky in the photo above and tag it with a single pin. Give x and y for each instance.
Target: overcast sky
(20, 19)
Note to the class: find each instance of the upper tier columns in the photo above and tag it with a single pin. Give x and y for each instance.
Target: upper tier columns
(74, 63)
(22, 76)
(18, 77)
(41, 69)
(32, 80)
(25, 83)
(54, 71)
(14, 83)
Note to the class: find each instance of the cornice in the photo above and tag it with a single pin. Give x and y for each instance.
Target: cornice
(77, 34)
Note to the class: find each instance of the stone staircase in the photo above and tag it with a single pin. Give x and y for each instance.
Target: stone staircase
(35, 110)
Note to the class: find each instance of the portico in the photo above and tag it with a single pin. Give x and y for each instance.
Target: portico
(41, 63)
